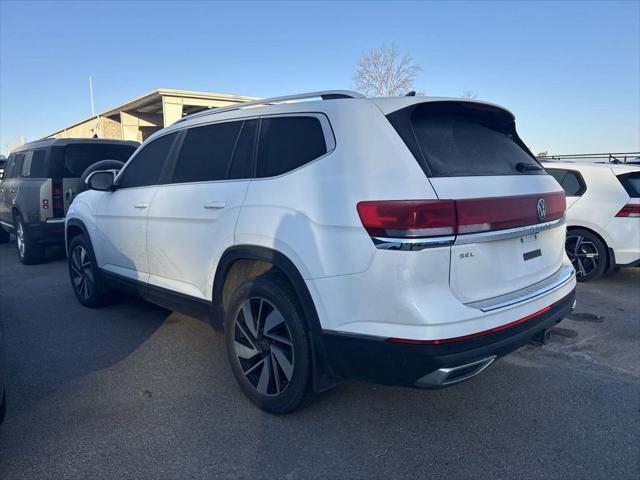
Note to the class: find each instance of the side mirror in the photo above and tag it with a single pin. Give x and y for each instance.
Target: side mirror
(102, 180)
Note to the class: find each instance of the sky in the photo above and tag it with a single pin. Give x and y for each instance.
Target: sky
(569, 71)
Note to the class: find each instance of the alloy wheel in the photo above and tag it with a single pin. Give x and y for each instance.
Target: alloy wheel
(81, 272)
(583, 255)
(263, 346)
(20, 239)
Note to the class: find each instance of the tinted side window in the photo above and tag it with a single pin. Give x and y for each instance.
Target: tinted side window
(206, 152)
(572, 184)
(631, 183)
(16, 166)
(570, 181)
(557, 174)
(287, 143)
(10, 166)
(33, 164)
(146, 166)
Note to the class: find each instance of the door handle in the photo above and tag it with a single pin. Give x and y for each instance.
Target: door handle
(141, 205)
(215, 205)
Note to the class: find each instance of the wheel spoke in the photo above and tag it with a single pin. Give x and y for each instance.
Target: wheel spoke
(83, 283)
(278, 338)
(581, 269)
(74, 270)
(276, 375)
(249, 321)
(274, 319)
(265, 376)
(245, 352)
(257, 364)
(283, 361)
(244, 333)
(578, 244)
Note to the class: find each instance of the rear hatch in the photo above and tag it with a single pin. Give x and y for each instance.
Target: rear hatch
(68, 162)
(508, 211)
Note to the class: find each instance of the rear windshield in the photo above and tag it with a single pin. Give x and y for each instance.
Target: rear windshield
(70, 161)
(631, 183)
(463, 139)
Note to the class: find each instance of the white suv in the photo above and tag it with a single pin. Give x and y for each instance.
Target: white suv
(603, 215)
(406, 241)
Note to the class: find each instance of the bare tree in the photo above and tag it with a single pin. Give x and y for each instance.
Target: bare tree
(383, 71)
(469, 94)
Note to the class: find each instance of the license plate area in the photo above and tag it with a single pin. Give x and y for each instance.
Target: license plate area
(530, 247)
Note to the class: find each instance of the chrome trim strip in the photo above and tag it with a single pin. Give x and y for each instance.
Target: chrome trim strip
(389, 243)
(7, 224)
(508, 233)
(562, 276)
(412, 244)
(55, 220)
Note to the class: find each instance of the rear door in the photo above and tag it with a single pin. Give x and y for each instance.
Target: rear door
(6, 185)
(472, 154)
(67, 163)
(192, 218)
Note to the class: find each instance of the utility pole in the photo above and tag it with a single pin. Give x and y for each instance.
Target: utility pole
(93, 111)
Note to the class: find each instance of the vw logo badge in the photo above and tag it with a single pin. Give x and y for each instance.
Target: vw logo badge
(542, 209)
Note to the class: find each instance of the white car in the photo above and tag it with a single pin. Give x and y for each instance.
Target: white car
(603, 215)
(407, 241)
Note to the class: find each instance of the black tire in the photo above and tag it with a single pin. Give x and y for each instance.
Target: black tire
(277, 318)
(29, 252)
(4, 236)
(94, 167)
(90, 288)
(588, 254)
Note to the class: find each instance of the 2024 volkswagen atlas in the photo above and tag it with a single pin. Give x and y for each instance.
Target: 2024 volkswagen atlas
(406, 241)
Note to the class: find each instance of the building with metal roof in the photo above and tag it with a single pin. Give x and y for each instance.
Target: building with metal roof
(140, 117)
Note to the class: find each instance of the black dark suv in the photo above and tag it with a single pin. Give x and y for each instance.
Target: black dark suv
(40, 180)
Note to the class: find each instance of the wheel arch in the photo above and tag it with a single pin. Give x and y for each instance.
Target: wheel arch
(322, 375)
(73, 228)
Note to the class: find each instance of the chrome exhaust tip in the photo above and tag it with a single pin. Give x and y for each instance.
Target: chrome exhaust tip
(450, 375)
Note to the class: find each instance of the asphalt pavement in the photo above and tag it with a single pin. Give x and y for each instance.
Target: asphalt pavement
(136, 391)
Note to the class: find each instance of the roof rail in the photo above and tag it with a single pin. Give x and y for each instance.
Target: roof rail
(324, 95)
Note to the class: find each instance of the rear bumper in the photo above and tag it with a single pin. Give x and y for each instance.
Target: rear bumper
(381, 361)
(48, 233)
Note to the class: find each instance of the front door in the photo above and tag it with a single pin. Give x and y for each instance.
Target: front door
(121, 215)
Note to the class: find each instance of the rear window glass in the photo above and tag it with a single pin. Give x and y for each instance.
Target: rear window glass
(206, 153)
(287, 143)
(33, 164)
(571, 182)
(459, 139)
(72, 160)
(631, 183)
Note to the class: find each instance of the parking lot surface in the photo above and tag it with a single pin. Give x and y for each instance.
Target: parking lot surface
(136, 391)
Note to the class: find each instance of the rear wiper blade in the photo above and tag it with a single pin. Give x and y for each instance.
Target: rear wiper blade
(525, 167)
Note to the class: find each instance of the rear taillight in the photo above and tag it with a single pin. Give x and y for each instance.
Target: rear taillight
(629, 210)
(58, 201)
(408, 218)
(436, 218)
